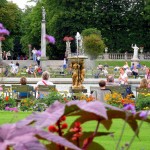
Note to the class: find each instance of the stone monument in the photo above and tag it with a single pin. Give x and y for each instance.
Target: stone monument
(135, 58)
(43, 35)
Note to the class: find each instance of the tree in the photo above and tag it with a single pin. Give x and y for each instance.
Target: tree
(93, 42)
(10, 16)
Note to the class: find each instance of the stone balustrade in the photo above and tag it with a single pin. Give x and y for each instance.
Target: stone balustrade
(124, 56)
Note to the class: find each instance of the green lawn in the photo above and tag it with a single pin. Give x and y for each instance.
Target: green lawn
(119, 62)
(107, 141)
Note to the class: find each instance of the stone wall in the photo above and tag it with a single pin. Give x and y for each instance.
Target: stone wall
(47, 63)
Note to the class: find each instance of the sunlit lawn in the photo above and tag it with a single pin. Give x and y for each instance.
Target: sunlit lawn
(143, 143)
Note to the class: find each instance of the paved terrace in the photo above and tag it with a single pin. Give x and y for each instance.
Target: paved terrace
(12, 80)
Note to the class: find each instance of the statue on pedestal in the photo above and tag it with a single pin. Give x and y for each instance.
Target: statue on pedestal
(135, 54)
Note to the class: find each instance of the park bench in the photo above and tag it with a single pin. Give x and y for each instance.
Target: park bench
(44, 90)
(17, 89)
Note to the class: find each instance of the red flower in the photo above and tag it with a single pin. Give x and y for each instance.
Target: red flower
(6, 98)
(64, 126)
(78, 131)
(68, 38)
(63, 118)
(52, 128)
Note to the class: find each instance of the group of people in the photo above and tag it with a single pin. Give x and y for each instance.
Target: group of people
(6, 55)
(45, 81)
(34, 69)
(123, 80)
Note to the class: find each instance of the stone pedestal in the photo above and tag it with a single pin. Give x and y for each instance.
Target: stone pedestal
(106, 56)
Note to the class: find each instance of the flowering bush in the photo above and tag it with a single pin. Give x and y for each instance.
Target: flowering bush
(82, 96)
(27, 104)
(6, 101)
(116, 99)
(143, 101)
(49, 129)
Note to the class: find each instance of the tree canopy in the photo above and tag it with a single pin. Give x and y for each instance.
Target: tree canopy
(121, 22)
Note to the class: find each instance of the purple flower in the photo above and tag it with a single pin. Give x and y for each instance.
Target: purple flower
(38, 53)
(50, 39)
(1, 26)
(129, 107)
(4, 32)
(15, 109)
(7, 108)
(143, 114)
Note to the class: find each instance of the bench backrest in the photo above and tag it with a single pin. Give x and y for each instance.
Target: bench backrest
(22, 88)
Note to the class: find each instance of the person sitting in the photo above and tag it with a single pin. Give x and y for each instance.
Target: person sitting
(116, 68)
(139, 66)
(126, 66)
(132, 66)
(147, 73)
(105, 71)
(100, 67)
(23, 81)
(128, 71)
(39, 70)
(45, 81)
(30, 70)
(100, 93)
(135, 71)
(143, 83)
(110, 81)
(123, 78)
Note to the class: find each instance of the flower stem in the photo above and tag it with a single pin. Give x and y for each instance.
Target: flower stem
(135, 133)
(123, 128)
(92, 137)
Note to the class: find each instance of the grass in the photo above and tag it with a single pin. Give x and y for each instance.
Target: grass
(119, 63)
(107, 141)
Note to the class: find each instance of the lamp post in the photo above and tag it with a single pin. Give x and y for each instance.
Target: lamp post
(29, 46)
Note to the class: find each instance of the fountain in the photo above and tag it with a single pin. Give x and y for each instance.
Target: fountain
(76, 63)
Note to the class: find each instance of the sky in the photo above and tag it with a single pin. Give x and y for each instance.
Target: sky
(22, 3)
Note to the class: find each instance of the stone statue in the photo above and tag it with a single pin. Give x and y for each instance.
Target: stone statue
(135, 54)
(43, 13)
(68, 45)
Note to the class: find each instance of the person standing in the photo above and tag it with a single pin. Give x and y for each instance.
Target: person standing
(4, 55)
(34, 51)
(38, 60)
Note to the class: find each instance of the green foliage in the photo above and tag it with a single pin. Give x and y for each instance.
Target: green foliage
(143, 101)
(52, 97)
(6, 101)
(88, 32)
(93, 42)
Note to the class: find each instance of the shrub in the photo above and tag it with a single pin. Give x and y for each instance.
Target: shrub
(143, 101)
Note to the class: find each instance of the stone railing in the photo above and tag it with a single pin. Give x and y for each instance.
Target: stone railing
(125, 56)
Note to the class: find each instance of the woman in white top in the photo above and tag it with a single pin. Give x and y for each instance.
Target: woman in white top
(123, 78)
(45, 80)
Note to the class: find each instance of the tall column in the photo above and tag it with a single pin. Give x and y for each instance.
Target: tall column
(0, 50)
(43, 34)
